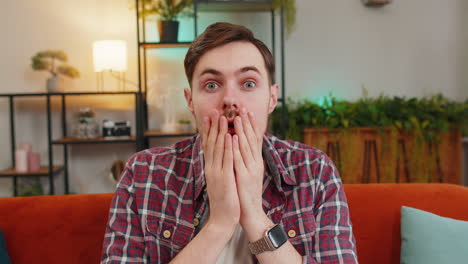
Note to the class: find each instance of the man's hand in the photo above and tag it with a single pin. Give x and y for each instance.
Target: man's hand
(249, 168)
(219, 172)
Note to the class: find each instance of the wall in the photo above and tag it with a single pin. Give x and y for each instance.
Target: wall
(409, 48)
(412, 48)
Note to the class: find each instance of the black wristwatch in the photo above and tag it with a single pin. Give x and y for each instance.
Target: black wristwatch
(274, 238)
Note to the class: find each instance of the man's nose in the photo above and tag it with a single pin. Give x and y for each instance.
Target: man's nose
(230, 102)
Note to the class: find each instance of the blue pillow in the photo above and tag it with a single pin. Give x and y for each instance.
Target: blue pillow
(428, 238)
(4, 259)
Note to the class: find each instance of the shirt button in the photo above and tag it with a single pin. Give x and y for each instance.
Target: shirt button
(196, 222)
(291, 233)
(167, 234)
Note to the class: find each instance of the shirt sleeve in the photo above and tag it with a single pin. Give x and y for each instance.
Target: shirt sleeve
(333, 240)
(124, 239)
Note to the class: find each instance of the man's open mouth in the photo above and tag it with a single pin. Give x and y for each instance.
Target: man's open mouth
(231, 129)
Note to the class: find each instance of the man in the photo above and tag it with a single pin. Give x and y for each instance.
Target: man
(231, 194)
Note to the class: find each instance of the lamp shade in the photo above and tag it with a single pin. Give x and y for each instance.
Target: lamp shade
(110, 55)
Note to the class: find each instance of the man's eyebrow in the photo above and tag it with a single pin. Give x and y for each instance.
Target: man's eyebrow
(218, 73)
(249, 68)
(210, 71)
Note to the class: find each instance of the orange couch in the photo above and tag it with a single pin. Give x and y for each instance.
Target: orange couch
(70, 229)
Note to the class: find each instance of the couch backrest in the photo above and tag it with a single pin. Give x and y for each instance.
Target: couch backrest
(54, 229)
(70, 229)
(375, 213)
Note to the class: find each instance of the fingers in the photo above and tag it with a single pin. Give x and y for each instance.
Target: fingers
(239, 166)
(228, 154)
(245, 148)
(218, 151)
(205, 130)
(211, 137)
(256, 129)
(250, 132)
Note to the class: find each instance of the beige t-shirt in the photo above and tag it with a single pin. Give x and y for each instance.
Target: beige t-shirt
(237, 249)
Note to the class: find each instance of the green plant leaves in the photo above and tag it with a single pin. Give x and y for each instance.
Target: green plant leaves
(426, 116)
(46, 61)
(167, 9)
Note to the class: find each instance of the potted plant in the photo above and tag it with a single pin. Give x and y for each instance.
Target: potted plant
(168, 11)
(48, 60)
(30, 187)
(289, 7)
(185, 126)
(87, 126)
(383, 139)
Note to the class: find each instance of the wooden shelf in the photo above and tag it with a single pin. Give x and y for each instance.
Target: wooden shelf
(159, 45)
(67, 93)
(157, 133)
(99, 140)
(43, 171)
(234, 6)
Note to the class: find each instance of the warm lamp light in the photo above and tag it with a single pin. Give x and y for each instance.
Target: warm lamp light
(110, 55)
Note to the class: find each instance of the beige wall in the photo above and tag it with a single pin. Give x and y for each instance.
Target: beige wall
(411, 47)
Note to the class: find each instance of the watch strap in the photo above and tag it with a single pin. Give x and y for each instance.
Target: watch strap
(266, 243)
(261, 245)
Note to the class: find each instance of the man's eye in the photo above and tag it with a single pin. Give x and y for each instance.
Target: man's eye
(211, 86)
(249, 85)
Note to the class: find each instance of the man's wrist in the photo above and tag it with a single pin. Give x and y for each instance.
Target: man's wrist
(221, 230)
(256, 226)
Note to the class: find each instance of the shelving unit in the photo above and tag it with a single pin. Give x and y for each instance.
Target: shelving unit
(43, 171)
(204, 6)
(158, 45)
(99, 140)
(159, 134)
(65, 140)
(233, 6)
(142, 132)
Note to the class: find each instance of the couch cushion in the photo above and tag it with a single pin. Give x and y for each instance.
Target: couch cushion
(4, 259)
(432, 239)
(376, 213)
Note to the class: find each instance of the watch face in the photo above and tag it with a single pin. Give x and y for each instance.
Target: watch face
(277, 236)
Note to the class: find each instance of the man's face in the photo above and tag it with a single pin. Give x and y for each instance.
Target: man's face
(229, 78)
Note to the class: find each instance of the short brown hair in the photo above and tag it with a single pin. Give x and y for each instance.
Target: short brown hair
(219, 34)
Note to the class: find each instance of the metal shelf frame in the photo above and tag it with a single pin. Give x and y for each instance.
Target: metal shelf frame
(141, 139)
(50, 142)
(209, 6)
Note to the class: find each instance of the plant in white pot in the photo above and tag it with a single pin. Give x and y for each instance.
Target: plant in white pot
(53, 61)
(168, 11)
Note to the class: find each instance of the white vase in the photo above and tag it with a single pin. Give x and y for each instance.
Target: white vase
(88, 129)
(186, 128)
(55, 84)
(169, 127)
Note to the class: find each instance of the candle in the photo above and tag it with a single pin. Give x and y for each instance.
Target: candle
(21, 160)
(26, 146)
(34, 161)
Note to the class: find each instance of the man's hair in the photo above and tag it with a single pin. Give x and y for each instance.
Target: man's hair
(219, 34)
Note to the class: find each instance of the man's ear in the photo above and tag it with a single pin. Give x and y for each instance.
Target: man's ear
(273, 98)
(189, 99)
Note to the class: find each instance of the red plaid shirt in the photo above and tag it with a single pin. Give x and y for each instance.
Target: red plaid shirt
(162, 196)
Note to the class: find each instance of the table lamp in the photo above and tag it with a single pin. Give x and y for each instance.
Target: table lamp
(110, 55)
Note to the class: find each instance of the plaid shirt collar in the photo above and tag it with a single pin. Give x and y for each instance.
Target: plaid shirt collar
(270, 154)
